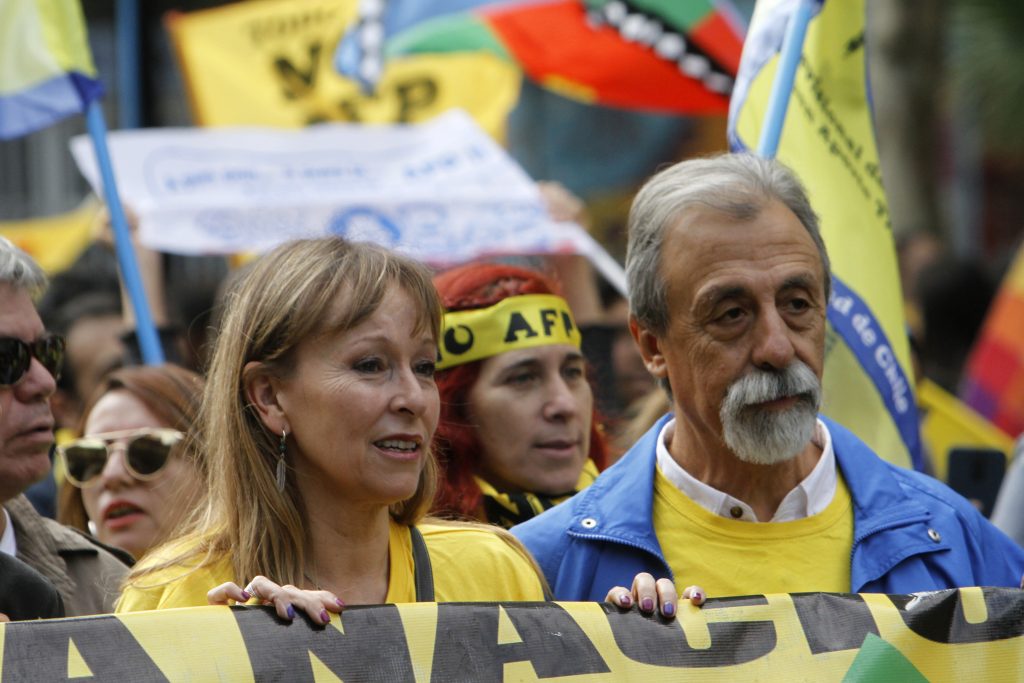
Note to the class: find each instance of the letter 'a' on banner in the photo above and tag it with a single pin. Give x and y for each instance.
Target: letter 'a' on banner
(828, 140)
(269, 63)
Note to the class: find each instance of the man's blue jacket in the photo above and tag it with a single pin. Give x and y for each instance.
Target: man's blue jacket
(911, 532)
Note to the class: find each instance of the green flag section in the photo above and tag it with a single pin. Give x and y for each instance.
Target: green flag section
(954, 635)
(880, 661)
(829, 141)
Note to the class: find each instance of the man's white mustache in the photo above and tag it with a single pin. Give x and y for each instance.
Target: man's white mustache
(762, 386)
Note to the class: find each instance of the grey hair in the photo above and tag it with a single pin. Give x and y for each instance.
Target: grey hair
(19, 270)
(738, 185)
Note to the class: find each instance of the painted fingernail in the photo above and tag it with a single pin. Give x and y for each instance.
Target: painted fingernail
(340, 604)
(698, 596)
(669, 609)
(245, 596)
(647, 605)
(324, 616)
(626, 601)
(290, 612)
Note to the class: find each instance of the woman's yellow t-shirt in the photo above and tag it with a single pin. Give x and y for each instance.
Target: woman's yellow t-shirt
(468, 565)
(734, 557)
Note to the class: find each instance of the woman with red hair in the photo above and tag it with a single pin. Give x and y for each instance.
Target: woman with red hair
(518, 430)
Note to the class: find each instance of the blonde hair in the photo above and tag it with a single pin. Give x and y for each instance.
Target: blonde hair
(290, 294)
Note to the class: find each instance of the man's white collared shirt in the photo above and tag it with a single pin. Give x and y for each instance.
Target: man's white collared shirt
(810, 497)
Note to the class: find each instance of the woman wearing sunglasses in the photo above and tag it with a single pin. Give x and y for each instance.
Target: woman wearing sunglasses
(319, 412)
(133, 476)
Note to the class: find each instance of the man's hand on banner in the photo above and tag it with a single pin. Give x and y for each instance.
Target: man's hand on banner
(648, 594)
(287, 600)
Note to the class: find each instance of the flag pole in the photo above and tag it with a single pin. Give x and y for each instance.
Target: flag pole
(145, 330)
(128, 49)
(782, 87)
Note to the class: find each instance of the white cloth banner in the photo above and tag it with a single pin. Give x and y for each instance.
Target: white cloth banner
(443, 192)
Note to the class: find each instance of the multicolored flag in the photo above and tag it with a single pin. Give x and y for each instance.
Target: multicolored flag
(993, 382)
(829, 141)
(46, 69)
(670, 56)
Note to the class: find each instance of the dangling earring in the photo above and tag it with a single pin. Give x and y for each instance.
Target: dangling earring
(280, 460)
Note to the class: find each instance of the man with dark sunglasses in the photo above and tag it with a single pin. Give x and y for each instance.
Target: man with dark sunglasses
(85, 573)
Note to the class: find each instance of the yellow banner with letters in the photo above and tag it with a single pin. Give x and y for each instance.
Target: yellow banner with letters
(954, 635)
(269, 63)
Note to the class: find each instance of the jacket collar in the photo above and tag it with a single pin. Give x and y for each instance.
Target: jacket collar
(38, 548)
(618, 505)
(878, 498)
(880, 504)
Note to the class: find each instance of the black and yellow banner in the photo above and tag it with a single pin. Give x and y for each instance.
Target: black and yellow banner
(956, 635)
(269, 63)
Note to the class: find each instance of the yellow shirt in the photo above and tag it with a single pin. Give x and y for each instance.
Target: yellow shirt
(468, 564)
(734, 557)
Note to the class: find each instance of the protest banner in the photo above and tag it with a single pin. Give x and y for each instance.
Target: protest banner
(269, 63)
(970, 633)
(442, 192)
(828, 140)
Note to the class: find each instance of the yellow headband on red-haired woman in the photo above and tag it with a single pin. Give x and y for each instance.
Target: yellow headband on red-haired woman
(518, 322)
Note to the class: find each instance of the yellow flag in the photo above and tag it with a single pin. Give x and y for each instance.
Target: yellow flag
(269, 63)
(829, 141)
(54, 242)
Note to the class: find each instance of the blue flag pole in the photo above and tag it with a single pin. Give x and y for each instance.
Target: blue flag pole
(782, 87)
(145, 330)
(128, 70)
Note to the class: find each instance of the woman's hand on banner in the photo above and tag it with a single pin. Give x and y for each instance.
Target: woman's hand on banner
(287, 600)
(650, 594)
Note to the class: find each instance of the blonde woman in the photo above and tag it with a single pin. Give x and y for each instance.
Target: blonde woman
(319, 412)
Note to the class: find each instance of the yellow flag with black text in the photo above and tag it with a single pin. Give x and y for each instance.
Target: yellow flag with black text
(829, 141)
(269, 63)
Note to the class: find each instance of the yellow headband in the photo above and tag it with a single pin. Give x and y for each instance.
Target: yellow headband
(518, 322)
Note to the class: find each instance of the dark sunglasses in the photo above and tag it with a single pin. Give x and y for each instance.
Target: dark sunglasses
(16, 357)
(146, 453)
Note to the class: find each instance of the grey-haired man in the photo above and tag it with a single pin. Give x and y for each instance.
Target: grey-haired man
(744, 489)
(86, 575)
